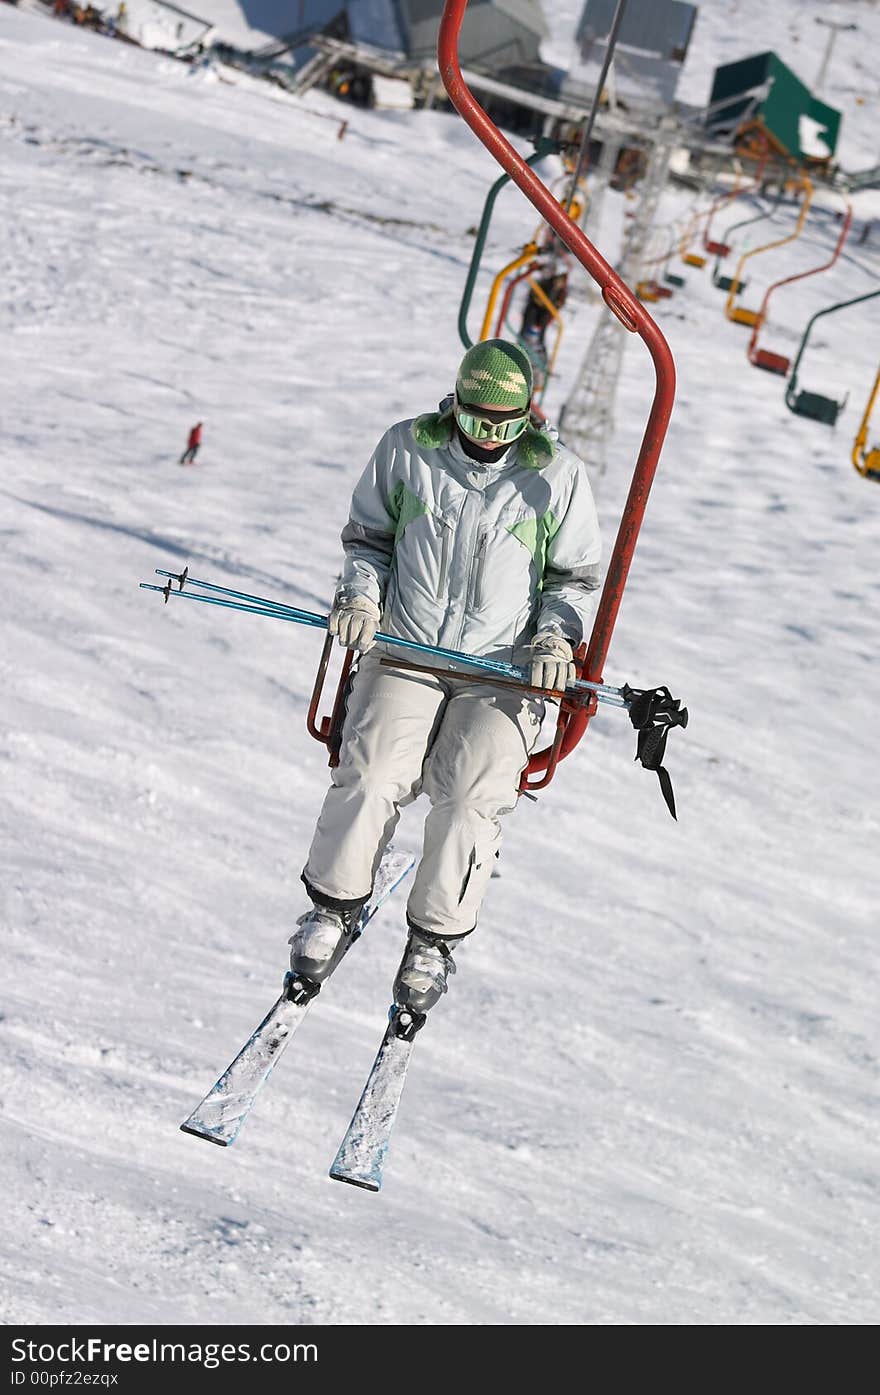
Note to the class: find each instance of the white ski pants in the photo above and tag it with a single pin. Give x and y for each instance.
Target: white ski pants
(465, 745)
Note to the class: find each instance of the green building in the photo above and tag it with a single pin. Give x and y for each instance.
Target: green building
(762, 94)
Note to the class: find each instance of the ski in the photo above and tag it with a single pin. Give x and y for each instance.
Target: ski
(361, 1155)
(223, 1111)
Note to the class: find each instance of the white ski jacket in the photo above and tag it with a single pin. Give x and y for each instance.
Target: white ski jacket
(473, 556)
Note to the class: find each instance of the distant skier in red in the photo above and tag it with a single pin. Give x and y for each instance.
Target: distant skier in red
(194, 440)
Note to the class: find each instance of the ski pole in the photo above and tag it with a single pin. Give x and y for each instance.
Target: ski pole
(653, 712)
(315, 621)
(613, 696)
(277, 613)
(184, 579)
(261, 605)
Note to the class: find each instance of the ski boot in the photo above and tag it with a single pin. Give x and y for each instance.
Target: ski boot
(421, 978)
(319, 944)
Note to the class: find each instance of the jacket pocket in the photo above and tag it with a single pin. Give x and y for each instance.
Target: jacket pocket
(472, 863)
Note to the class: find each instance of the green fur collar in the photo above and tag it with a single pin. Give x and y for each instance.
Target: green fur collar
(535, 448)
(433, 430)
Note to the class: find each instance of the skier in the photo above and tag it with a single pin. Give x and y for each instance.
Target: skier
(470, 528)
(536, 316)
(194, 440)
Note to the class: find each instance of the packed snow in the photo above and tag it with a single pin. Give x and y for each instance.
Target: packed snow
(650, 1095)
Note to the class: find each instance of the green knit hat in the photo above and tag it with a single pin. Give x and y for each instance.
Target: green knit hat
(495, 373)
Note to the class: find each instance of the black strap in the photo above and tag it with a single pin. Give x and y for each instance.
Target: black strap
(654, 712)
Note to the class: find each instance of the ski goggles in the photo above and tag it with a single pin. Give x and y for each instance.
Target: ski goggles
(488, 425)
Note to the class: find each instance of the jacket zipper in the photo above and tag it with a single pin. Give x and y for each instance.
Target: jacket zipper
(445, 549)
(479, 564)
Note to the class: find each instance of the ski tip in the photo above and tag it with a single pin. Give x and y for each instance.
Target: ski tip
(356, 1181)
(208, 1137)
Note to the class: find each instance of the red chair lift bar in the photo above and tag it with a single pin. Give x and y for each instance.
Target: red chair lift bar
(634, 317)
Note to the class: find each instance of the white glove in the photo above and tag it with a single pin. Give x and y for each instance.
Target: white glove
(355, 621)
(552, 661)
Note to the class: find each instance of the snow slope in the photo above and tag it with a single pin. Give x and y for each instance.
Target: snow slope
(650, 1095)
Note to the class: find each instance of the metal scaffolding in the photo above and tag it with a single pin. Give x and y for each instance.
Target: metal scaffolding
(587, 421)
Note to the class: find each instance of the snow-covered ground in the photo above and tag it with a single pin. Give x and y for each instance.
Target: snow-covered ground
(650, 1097)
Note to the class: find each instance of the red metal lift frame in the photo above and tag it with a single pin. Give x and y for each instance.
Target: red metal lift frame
(765, 358)
(635, 318)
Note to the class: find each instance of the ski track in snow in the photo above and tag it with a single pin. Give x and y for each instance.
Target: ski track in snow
(650, 1097)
